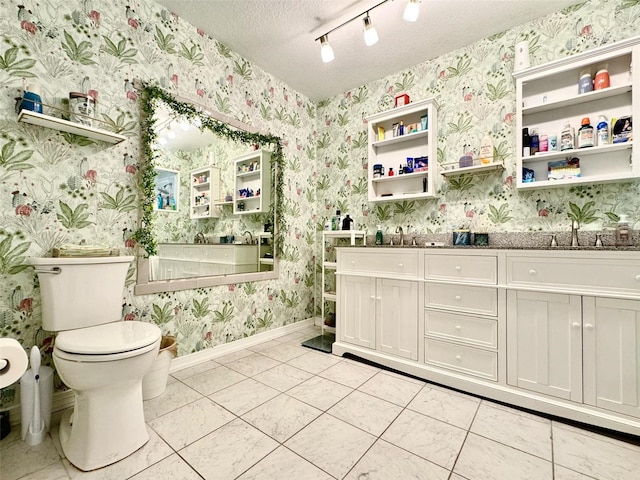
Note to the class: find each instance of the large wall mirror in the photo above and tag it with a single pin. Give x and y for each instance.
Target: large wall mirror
(209, 198)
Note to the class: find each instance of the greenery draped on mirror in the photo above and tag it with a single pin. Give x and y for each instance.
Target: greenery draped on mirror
(150, 95)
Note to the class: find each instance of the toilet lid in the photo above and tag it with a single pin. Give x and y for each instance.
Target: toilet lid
(109, 338)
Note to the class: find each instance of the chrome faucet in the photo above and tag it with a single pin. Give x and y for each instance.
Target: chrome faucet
(199, 238)
(574, 234)
(250, 237)
(399, 230)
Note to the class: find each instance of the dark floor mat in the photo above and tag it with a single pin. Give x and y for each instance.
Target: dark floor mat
(321, 343)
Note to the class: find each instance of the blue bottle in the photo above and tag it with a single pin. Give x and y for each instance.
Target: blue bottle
(603, 131)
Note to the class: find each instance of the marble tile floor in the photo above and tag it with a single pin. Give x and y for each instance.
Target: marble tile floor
(281, 411)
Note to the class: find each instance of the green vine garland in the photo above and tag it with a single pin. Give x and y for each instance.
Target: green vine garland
(146, 175)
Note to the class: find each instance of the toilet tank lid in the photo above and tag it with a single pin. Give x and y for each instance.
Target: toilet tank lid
(78, 260)
(115, 337)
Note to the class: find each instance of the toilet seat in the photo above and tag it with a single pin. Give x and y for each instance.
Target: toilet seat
(108, 342)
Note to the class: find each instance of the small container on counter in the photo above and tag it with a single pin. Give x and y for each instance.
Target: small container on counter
(602, 79)
(585, 84)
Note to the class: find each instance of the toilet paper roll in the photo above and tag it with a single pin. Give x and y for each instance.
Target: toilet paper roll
(13, 361)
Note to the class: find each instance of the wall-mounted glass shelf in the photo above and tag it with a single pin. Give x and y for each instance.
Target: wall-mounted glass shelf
(41, 120)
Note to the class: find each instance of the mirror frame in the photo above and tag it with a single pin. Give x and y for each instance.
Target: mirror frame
(227, 128)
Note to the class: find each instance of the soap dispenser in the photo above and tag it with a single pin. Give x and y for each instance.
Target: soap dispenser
(379, 235)
(623, 233)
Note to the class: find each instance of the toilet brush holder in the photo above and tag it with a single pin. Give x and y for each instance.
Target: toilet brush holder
(33, 432)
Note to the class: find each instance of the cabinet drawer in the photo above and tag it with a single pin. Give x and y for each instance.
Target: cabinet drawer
(473, 361)
(577, 273)
(471, 268)
(397, 263)
(462, 298)
(462, 328)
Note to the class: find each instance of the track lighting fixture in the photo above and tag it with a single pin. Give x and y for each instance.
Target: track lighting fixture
(411, 12)
(325, 49)
(370, 33)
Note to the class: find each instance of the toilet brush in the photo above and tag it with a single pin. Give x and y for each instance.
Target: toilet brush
(37, 430)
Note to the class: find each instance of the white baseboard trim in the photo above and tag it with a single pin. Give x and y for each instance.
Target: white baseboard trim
(64, 400)
(192, 359)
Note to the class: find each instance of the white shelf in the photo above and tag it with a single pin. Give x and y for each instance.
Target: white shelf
(475, 169)
(330, 265)
(547, 99)
(209, 188)
(578, 99)
(392, 152)
(400, 178)
(34, 118)
(579, 152)
(400, 139)
(252, 172)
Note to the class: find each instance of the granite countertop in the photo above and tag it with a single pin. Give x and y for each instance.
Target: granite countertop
(510, 241)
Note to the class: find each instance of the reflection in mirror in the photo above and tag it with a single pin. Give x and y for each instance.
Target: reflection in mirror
(216, 223)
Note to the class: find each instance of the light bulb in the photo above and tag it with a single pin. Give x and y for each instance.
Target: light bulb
(411, 11)
(370, 33)
(326, 52)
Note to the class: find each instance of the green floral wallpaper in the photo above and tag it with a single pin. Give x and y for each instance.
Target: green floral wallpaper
(56, 188)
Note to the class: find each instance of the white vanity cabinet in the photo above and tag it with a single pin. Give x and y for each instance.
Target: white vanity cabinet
(556, 331)
(378, 300)
(573, 326)
(547, 99)
(461, 313)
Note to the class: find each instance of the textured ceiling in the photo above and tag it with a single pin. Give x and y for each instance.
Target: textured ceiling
(279, 35)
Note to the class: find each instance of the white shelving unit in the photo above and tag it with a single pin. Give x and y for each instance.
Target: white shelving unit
(393, 151)
(252, 171)
(204, 198)
(547, 98)
(265, 264)
(34, 118)
(329, 265)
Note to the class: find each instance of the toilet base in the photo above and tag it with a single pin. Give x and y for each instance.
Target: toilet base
(104, 427)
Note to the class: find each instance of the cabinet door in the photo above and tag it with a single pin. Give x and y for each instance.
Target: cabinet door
(397, 317)
(356, 306)
(611, 335)
(544, 343)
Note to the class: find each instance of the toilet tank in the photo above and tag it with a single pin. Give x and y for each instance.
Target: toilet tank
(80, 292)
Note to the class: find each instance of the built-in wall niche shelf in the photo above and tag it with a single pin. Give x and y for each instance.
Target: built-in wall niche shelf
(252, 174)
(205, 192)
(47, 121)
(389, 150)
(548, 98)
(455, 171)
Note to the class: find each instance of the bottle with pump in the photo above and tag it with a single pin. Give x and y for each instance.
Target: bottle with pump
(585, 134)
(623, 233)
(379, 235)
(336, 221)
(603, 131)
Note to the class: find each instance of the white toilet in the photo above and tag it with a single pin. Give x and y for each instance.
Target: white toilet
(101, 358)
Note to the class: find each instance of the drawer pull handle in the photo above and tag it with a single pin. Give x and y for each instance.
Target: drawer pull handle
(401, 265)
(458, 327)
(532, 272)
(458, 357)
(372, 297)
(575, 325)
(638, 278)
(458, 298)
(353, 262)
(458, 268)
(588, 326)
